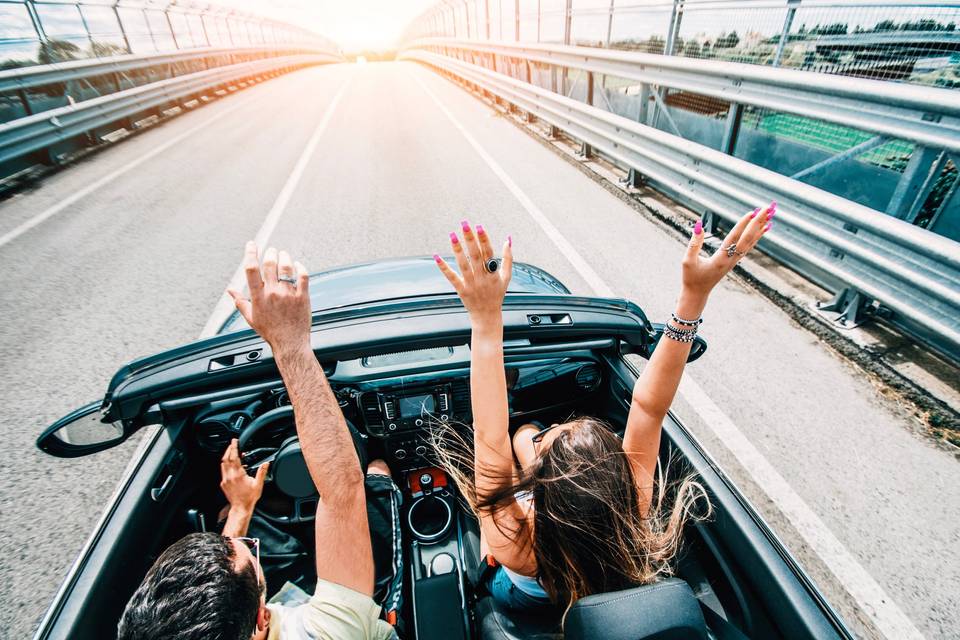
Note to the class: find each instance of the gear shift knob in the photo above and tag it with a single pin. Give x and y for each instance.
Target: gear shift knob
(426, 483)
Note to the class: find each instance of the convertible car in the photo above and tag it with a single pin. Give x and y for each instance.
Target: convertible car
(394, 341)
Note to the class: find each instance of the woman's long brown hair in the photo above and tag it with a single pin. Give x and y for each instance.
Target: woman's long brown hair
(589, 532)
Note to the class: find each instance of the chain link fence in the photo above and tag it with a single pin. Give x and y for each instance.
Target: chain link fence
(37, 32)
(911, 42)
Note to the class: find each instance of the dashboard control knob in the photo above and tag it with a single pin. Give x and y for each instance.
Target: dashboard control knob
(392, 426)
(418, 422)
(421, 450)
(426, 483)
(400, 454)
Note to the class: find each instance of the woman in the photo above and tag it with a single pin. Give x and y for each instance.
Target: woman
(571, 510)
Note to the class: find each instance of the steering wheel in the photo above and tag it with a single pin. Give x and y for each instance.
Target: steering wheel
(288, 469)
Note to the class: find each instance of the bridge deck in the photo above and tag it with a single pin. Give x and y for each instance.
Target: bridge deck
(137, 263)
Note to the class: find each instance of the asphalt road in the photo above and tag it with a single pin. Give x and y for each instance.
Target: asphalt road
(138, 265)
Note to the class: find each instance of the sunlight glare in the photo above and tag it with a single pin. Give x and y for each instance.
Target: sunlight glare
(356, 25)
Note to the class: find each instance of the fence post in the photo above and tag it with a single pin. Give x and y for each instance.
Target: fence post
(35, 19)
(785, 32)
(123, 30)
(585, 149)
(676, 15)
(516, 21)
(173, 34)
(486, 16)
(921, 172)
(732, 132)
(609, 23)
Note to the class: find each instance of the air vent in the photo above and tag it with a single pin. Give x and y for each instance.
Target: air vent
(460, 390)
(588, 377)
(216, 434)
(370, 406)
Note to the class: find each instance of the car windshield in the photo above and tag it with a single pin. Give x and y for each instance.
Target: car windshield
(397, 279)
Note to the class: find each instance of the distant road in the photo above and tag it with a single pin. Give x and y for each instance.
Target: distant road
(139, 263)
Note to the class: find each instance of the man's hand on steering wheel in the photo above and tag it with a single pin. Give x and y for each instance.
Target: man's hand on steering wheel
(242, 491)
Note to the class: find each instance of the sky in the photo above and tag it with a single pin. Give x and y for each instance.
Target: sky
(355, 25)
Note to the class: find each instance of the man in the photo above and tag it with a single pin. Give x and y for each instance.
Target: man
(211, 586)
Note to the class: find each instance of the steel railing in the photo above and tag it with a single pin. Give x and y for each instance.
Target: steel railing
(925, 115)
(82, 70)
(851, 249)
(40, 131)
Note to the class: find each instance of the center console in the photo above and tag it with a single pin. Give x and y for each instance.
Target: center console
(403, 417)
(434, 552)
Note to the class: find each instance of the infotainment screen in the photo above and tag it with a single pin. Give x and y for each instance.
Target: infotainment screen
(414, 406)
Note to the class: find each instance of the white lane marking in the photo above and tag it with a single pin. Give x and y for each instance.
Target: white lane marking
(53, 210)
(870, 596)
(225, 305)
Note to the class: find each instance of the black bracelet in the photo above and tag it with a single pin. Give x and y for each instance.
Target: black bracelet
(673, 333)
(689, 323)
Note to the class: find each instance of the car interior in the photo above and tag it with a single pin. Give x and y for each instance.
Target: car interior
(732, 579)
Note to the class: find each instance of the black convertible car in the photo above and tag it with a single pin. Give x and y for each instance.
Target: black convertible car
(394, 341)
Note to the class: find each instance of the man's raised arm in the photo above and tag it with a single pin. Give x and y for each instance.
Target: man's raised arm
(279, 310)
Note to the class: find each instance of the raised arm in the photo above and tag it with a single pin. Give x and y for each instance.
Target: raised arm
(279, 310)
(657, 386)
(482, 293)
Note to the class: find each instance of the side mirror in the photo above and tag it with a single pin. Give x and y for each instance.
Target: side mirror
(697, 349)
(80, 433)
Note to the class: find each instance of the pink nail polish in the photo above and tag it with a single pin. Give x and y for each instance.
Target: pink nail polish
(509, 241)
(436, 257)
(755, 212)
(768, 227)
(453, 238)
(465, 226)
(480, 229)
(772, 213)
(698, 228)
(773, 205)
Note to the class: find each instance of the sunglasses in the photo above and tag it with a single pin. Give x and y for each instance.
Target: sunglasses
(254, 545)
(538, 436)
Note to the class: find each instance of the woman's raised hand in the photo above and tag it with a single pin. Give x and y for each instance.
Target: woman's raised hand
(481, 290)
(701, 274)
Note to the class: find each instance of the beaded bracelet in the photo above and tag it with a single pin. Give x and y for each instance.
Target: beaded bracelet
(689, 323)
(669, 331)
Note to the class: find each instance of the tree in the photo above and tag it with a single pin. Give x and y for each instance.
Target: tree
(58, 51)
(727, 41)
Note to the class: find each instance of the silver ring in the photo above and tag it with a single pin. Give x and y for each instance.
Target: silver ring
(288, 280)
(732, 251)
(492, 265)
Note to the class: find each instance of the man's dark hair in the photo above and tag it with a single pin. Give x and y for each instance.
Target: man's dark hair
(194, 591)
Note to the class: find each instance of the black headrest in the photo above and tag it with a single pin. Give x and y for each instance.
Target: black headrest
(665, 610)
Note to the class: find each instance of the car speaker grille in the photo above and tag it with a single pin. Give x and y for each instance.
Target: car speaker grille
(588, 377)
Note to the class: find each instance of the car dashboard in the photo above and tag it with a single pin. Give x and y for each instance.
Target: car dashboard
(395, 400)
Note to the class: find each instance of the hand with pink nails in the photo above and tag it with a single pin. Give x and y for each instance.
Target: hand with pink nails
(701, 274)
(481, 290)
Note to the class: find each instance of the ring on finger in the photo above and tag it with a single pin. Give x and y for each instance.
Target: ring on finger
(492, 265)
(732, 251)
(288, 279)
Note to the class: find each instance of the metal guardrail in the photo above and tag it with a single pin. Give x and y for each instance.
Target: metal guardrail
(851, 249)
(78, 70)
(925, 115)
(40, 131)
